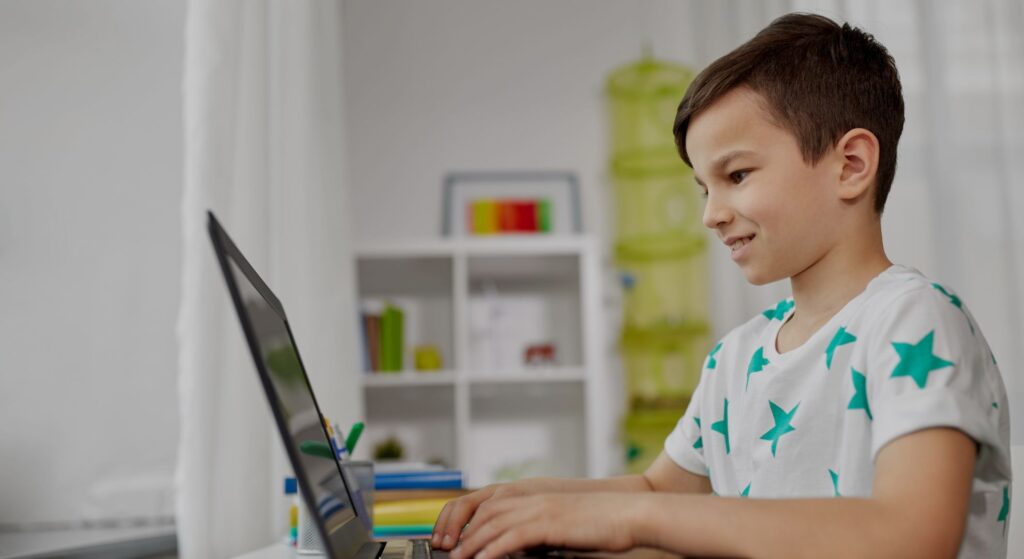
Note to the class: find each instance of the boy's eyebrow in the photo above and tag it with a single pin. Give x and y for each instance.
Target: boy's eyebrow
(723, 161)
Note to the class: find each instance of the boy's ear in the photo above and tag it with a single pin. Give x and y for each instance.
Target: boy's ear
(858, 150)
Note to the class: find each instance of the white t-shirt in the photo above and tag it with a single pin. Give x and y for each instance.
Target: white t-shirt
(903, 355)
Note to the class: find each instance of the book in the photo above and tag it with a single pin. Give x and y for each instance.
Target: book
(391, 338)
(371, 324)
(544, 216)
(391, 495)
(408, 512)
(392, 466)
(483, 217)
(443, 479)
(402, 530)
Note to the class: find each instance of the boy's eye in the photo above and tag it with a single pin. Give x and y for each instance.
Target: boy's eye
(704, 193)
(738, 176)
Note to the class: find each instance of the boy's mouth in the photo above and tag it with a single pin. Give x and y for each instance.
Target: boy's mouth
(740, 242)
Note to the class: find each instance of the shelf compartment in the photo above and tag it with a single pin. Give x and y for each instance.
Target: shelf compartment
(526, 430)
(422, 288)
(517, 301)
(421, 417)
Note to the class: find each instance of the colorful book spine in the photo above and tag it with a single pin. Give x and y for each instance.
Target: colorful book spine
(391, 334)
(371, 324)
(408, 512)
(490, 216)
(544, 216)
(483, 217)
(402, 530)
(365, 343)
(443, 479)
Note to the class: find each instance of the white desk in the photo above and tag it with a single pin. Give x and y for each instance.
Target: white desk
(278, 551)
(95, 542)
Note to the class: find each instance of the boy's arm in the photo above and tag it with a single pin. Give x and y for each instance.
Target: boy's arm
(918, 509)
(662, 475)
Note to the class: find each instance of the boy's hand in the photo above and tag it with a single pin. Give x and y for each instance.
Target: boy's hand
(457, 512)
(572, 520)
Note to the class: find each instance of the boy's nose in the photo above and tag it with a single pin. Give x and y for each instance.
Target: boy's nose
(716, 213)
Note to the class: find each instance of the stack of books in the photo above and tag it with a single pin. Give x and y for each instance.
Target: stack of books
(409, 498)
(504, 216)
(383, 337)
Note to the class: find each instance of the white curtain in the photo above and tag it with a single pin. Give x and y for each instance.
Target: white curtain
(263, 150)
(954, 208)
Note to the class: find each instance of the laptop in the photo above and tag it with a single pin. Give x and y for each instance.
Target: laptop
(330, 492)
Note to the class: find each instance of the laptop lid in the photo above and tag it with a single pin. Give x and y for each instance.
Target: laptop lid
(327, 491)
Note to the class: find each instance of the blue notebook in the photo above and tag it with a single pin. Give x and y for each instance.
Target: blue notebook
(439, 479)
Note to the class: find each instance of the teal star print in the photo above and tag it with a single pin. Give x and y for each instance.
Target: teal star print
(757, 363)
(779, 311)
(723, 425)
(917, 360)
(712, 363)
(746, 491)
(956, 303)
(952, 298)
(835, 482)
(842, 337)
(782, 419)
(860, 397)
(1004, 511)
(700, 440)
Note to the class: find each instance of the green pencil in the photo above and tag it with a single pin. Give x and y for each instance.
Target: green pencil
(353, 436)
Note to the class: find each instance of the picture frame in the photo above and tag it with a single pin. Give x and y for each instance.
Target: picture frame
(498, 203)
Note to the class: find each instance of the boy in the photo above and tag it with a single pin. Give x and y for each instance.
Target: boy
(871, 383)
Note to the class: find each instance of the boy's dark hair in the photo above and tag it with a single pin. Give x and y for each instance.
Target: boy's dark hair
(819, 80)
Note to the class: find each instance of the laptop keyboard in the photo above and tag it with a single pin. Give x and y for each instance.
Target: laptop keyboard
(420, 549)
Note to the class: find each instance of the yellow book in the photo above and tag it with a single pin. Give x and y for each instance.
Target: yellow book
(413, 511)
(485, 217)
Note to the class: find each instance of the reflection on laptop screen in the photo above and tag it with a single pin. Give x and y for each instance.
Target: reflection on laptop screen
(290, 388)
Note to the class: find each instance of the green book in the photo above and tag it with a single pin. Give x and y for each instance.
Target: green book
(403, 530)
(391, 332)
(544, 216)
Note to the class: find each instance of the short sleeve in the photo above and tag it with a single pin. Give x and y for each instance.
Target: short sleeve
(685, 444)
(927, 366)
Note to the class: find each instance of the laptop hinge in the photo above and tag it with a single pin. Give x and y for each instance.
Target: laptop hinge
(369, 550)
(397, 549)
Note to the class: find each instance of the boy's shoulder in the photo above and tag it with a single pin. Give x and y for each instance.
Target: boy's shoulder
(898, 289)
(902, 293)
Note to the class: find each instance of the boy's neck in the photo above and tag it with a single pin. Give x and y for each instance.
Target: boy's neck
(821, 290)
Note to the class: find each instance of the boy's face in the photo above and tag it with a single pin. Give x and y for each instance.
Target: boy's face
(760, 190)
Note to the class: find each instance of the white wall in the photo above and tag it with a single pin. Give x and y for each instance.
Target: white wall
(455, 85)
(432, 87)
(90, 188)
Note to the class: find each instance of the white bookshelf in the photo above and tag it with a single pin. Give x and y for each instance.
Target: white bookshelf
(485, 412)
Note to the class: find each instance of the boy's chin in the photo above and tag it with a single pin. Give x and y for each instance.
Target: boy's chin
(756, 276)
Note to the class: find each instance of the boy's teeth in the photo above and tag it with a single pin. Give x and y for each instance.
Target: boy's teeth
(740, 243)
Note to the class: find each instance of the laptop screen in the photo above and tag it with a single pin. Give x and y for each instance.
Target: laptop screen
(291, 398)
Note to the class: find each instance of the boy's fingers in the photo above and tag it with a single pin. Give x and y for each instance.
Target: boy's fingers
(513, 539)
(454, 516)
(487, 511)
(509, 529)
(439, 525)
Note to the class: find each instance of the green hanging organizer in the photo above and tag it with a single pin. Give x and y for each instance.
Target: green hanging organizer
(661, 253)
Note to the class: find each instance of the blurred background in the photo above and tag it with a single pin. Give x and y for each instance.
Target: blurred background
(363, 155)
